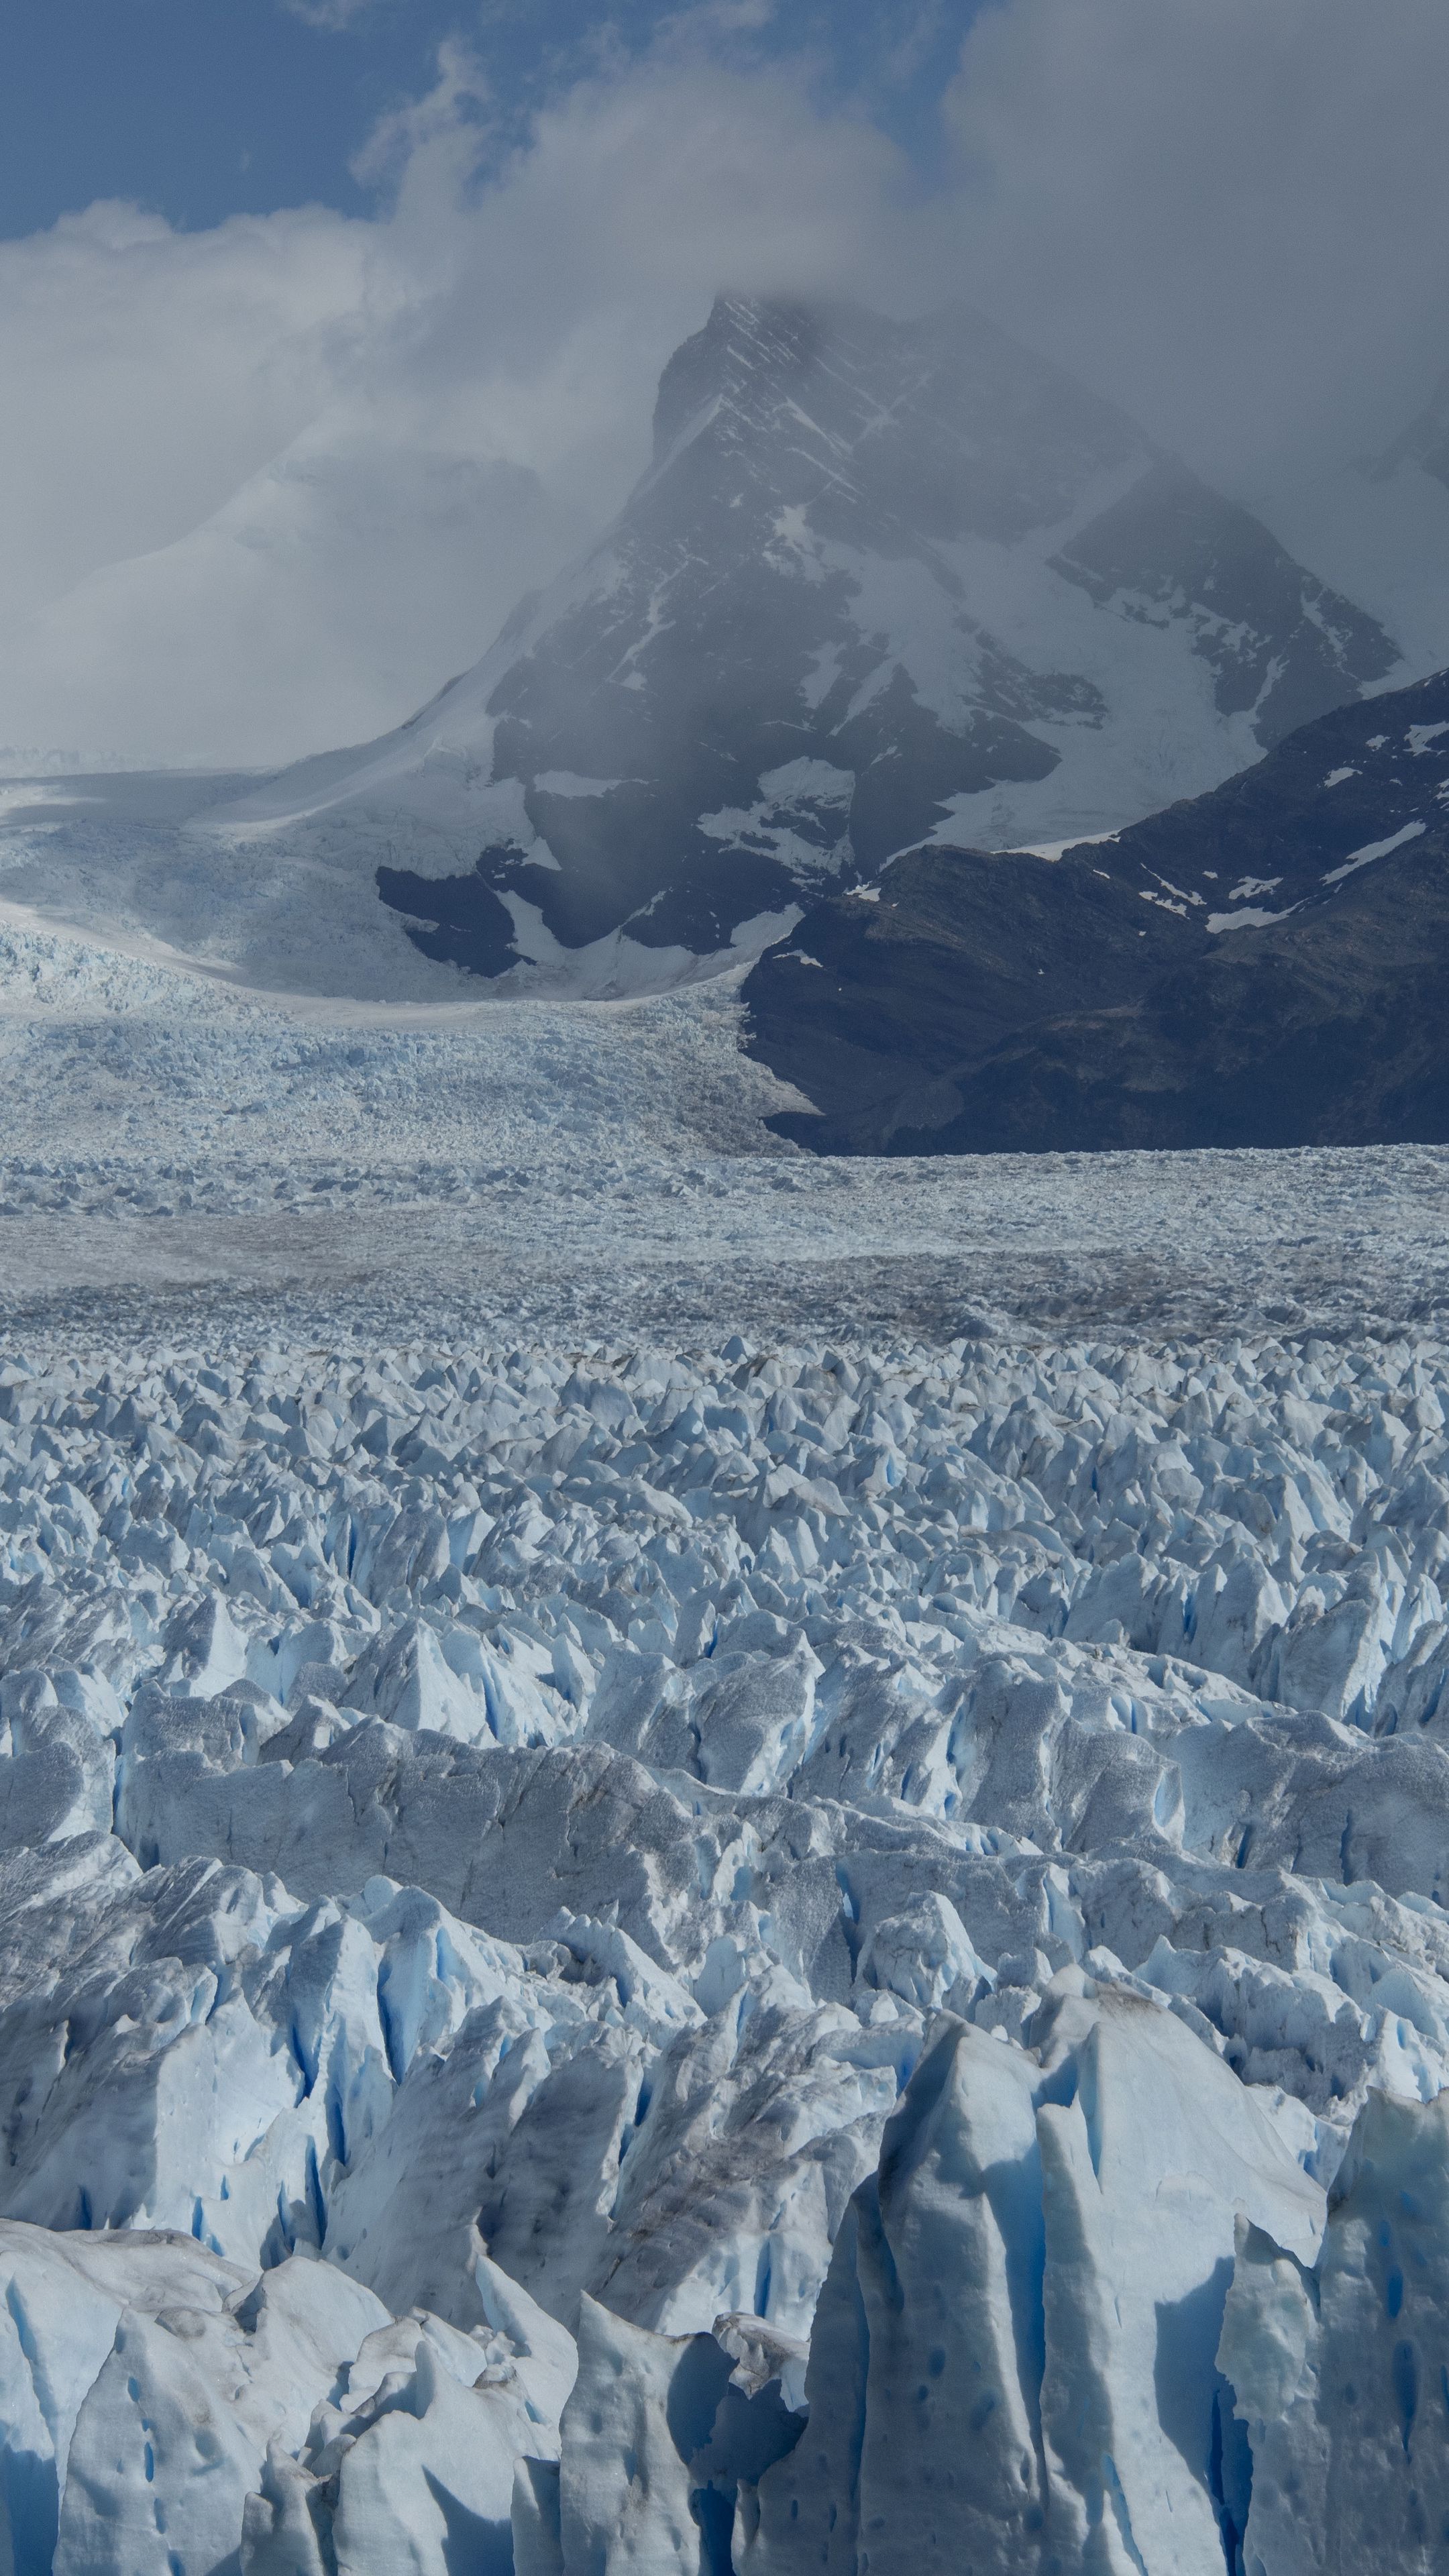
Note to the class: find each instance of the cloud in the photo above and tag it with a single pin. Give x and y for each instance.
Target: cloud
(148, 372)
(443, 130)
(1230, 216)
(331, 16)
(1229, 213)
(268, 486)
(327, 598)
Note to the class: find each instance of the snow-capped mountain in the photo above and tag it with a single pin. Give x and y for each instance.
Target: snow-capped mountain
(1261, 965)
(883, 581)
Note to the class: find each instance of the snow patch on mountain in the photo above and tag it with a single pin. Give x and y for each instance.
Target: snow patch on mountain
(1375, 850)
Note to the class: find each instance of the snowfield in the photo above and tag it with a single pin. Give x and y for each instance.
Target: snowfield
(709, 1859)
(186, 1158)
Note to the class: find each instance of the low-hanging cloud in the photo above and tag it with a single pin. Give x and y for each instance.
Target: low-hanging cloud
(266, 487)
(270, 485)
(1232, 214)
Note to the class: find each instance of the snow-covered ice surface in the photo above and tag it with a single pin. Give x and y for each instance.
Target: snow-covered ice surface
(182, 1156)
(709, 1859)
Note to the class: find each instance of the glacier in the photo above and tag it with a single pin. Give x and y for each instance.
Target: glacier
(711, 1858)
(771, 1953)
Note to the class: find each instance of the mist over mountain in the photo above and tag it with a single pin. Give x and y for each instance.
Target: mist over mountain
(884, 580)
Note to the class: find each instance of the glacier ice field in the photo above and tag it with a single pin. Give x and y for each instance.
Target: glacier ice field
(708, 1860)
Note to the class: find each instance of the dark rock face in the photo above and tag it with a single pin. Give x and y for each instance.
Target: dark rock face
(783, 663)
(1264, 965)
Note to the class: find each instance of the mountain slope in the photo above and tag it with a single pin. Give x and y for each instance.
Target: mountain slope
(883, 581)
(1262, 965)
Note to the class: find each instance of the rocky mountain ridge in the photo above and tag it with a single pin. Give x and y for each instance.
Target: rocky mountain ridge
(883, 580)
(1259, 966)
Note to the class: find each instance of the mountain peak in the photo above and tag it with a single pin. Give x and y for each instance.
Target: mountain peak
(887, 580)
(938, 418)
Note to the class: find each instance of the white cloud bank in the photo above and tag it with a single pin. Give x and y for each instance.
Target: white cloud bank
(1237, 211)
(264, 488)
(1233, 216)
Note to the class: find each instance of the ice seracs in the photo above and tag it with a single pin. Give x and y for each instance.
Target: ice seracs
(164, 2409)
(1013, 2362)
(664, 1864)
(1336, 2365)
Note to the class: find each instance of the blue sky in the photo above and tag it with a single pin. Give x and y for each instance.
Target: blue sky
(200, 109)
